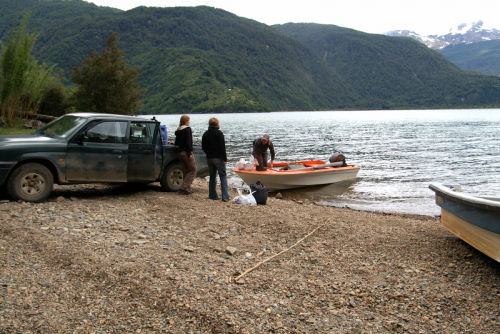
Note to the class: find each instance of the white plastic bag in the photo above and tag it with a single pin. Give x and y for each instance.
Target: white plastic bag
(244, 200)
(251, 160)
(241, 164)
(251, 199)
(241, 200)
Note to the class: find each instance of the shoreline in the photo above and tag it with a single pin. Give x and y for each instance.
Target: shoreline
(105, 188)
(100, 258)
(387, 213)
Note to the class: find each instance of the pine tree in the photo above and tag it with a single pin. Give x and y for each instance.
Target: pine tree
(105, 83)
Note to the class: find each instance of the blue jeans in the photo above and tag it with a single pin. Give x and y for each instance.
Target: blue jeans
(214, 166)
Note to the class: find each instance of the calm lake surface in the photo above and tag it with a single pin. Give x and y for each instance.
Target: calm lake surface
(400, 152)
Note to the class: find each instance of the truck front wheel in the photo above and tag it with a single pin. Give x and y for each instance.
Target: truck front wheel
(172, 177)
(30, 183)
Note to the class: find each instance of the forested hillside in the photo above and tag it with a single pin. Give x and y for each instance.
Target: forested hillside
(201, 59)
(482, 57)
(395, 72)
(197, 59)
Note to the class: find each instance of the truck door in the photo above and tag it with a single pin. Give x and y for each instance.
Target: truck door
(99, 154)
(144, 151)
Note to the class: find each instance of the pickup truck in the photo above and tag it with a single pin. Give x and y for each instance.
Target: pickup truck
(84, 148)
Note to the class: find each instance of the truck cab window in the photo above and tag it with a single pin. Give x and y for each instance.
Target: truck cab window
(141, 133)
(107, 132)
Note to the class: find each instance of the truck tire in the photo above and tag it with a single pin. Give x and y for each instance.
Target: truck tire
(30, 182)
(172, 177)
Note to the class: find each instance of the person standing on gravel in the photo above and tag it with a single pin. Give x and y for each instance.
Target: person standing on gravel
(184, 141)
(214, 146)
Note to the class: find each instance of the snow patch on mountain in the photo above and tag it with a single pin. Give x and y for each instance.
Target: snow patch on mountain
(463, 33)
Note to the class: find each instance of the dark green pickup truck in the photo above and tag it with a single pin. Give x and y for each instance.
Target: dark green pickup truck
(90, 148)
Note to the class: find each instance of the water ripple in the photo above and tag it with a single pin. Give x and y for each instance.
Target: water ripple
(400, 152)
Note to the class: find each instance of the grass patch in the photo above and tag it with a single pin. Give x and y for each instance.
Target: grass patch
(14, 130)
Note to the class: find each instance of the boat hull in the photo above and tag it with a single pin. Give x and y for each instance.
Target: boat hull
(475, 220)
(291, 179)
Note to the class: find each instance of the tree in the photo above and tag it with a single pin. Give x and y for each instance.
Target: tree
(22, 80)
(105, 83)
(56, 95)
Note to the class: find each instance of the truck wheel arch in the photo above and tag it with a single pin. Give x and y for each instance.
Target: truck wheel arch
(172, 177)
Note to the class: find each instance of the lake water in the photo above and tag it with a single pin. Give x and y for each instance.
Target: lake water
(400, 152)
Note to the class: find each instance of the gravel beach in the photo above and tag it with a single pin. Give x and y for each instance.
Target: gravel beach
(125, 259)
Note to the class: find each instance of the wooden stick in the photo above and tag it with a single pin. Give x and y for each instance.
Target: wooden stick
(276, 255)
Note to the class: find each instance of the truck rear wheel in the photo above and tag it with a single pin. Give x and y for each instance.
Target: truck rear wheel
(172, 177)
(30, 183)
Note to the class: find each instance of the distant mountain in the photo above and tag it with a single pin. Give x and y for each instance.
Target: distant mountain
(393, 72)
(482, 57)
(471, 46)
(463, 34)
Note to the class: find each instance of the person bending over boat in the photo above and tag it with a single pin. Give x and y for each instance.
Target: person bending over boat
(214, 146)
(260, 146)
(184, 141)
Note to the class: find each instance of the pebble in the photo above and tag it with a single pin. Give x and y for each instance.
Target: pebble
(231, 250)
(187, 248)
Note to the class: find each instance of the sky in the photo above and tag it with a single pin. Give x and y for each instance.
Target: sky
(425, 17)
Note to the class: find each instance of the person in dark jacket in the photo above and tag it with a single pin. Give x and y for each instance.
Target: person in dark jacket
(260, 146)
(214, 146)
(184, 141)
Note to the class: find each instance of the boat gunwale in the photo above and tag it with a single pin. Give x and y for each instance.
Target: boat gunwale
(464, 198)
(271, 171)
